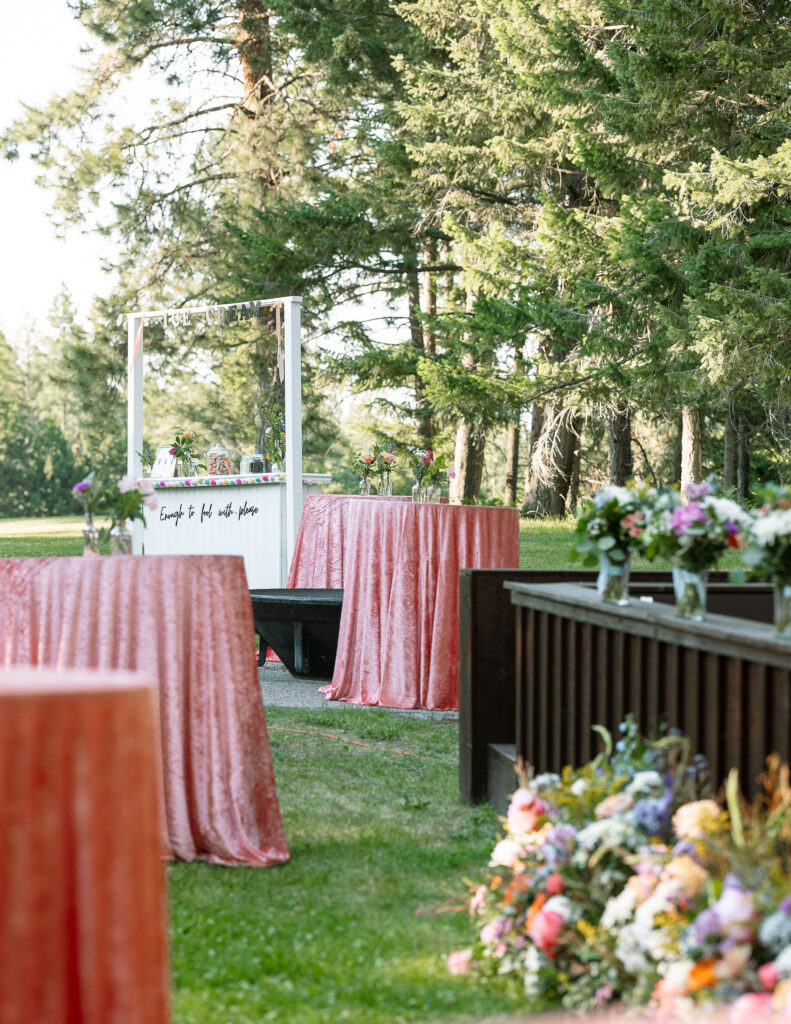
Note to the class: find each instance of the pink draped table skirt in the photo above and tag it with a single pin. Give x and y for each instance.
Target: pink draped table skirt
(82, 886)
(398, 564)
(186, 621)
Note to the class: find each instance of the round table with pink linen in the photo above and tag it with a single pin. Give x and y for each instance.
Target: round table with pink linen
(82, 882)
(398, 564)
(187, 621)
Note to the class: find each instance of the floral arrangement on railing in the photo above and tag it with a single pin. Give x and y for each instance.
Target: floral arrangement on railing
(617, 883)
(608, 531)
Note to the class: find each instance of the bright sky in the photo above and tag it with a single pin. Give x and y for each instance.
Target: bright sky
(39, 51)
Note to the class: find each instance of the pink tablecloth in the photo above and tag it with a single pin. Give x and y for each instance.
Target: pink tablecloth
(187, 622)
(82, 887)
(398, 564)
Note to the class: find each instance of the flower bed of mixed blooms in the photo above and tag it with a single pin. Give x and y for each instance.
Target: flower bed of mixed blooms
(620, 883)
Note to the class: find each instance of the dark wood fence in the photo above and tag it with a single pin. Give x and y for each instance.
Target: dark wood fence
(487, 638)
(725, 682)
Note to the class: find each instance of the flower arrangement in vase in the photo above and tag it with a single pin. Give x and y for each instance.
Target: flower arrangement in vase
(694, 535)
(622, 882)
(183, 448)
(124, 501)
(767, 553)
(608, 532)
(364, 466)
(275, 436)
(88, 493)
(385, 458)
(146, 457)
(427, 469)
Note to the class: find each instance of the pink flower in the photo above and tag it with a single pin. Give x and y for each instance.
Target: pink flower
(751, 1006)
(150, 501)
(555, 884)
(524, 812)
(145, 487)
(126, 483)
(617, 803)
(451, 472)
(478, 900)
(685, 516)
(769, 976)
(171, 451)
(603, 995)
(545, 929)
(460, 962)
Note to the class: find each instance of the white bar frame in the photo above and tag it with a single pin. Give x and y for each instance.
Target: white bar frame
(292, 329)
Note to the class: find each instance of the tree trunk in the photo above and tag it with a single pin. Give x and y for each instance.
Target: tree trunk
(730, 457)
(425, 422)
(743, 462)
(574, 466)
(512, 462)
(691, 447)
(621, 462)
(468, 460)
(551, 462)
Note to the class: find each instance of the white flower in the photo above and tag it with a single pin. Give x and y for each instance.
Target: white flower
(619, 909)
(532, 965)
(558, 905)
(644, 782)
(609, 832)
(630, 949)
(578, 787)
(677, 974)
(505, 854)
(783, 961)
(621, 494)
(126, 483)
(548, 780)
(775, 930)
(724, 508)
(767, 529)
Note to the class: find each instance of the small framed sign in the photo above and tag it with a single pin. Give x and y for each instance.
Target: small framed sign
(164, 463)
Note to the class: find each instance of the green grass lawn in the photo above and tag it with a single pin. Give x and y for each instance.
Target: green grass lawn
(357, 926)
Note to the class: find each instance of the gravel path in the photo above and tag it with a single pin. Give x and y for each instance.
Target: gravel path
(282, 690)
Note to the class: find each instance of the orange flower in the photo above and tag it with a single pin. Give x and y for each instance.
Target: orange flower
(702, 975)
(535, 906)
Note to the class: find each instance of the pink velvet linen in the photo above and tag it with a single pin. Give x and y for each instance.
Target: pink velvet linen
(398, 563)
(185, 620)
(82, 886)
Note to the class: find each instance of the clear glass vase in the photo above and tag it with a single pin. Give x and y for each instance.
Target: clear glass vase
(433, 493)
(419, 492)
(386, 485)
(612, 583)
(366, 487)
(120, 538)
(690, 591)
(90, 536)
(782, 609)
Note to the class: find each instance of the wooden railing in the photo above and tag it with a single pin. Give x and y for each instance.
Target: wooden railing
(487, 639)
(724, 682)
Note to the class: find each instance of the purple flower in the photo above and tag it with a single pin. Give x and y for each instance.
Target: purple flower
(785, 906)
(697, 491)
(653, 814)
(706, 924)
(556, 848)
(730, 527)
(685, 516)
(83, 485)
